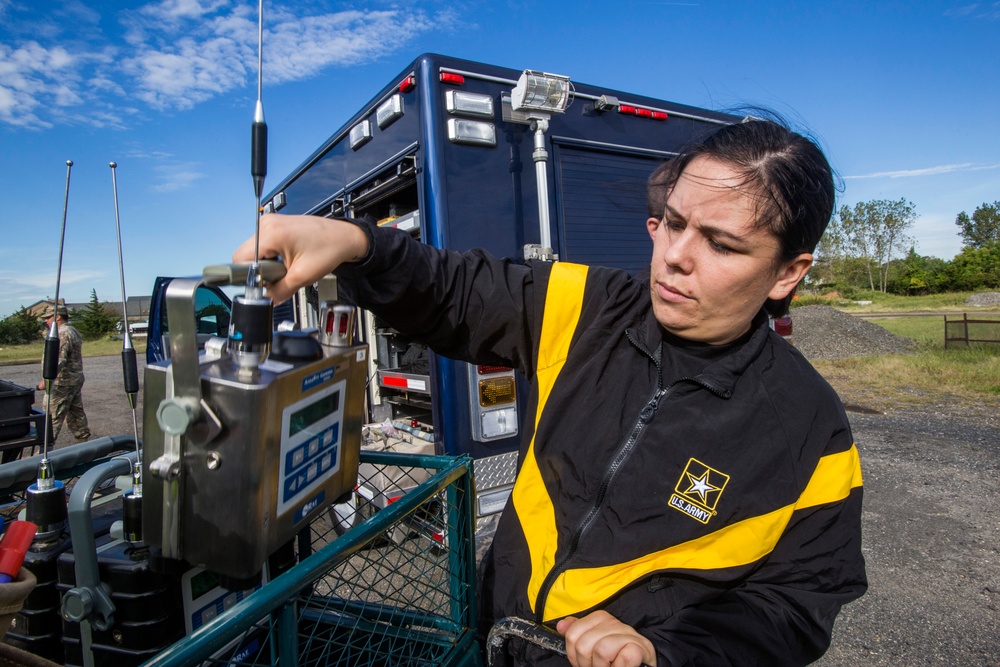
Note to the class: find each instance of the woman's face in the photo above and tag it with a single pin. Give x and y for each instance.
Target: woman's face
(712, 269)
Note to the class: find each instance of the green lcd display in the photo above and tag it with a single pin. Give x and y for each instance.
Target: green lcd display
(313, 412)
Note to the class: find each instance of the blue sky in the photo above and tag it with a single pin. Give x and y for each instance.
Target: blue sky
(903, 96)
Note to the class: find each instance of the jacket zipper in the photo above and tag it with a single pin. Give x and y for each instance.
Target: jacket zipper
(645, 416)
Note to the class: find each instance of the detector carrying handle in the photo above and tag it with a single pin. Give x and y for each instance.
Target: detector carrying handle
(236, 274)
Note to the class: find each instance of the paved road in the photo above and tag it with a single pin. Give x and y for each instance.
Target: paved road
(931, 530)
(104, 398)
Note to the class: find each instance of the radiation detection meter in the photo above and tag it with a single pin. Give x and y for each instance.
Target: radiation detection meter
(241, 453)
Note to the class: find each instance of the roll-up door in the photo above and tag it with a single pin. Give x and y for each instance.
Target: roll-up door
(601, 206)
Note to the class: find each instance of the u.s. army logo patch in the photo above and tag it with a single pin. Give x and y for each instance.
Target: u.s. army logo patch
(698, 490)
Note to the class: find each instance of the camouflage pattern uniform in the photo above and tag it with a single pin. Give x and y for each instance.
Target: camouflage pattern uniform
(66, 402)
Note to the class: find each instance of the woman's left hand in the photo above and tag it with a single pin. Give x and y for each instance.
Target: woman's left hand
(601, 640)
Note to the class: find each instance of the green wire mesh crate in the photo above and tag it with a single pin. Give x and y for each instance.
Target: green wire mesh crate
(389, 587)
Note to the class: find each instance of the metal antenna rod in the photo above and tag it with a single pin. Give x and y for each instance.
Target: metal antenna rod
(130, 370)
(50, 361)
(258, 158)
(252, 315)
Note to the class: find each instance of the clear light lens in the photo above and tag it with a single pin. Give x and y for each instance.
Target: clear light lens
(471, 132)
(390, 110)
(541, 92)
(470, 104)
(499, 423)
(361, 134)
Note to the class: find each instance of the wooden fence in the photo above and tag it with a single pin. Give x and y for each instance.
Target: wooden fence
(966, 331)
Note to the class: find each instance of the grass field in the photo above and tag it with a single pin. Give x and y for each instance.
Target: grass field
(22, 354)
(891, 303)
(969, 377)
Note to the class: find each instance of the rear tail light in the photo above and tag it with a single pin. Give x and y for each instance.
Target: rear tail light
(783, 325)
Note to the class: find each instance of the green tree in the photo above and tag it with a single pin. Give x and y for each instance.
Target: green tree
(976, 268)
(982, 228)
(915, 274)
(20, 328)
(94, 321)
(874, 230)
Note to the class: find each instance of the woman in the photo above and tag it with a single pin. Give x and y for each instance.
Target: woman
(688, 490)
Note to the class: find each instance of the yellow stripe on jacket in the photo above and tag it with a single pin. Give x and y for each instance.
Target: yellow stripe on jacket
(737, 544)
(563, 303)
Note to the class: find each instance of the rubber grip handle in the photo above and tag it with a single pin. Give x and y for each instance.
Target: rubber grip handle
(50, 359)
(130, 371)
(258, 153)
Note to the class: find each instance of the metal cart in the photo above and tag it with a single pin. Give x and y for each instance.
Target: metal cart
(392, 586)
(397, 588)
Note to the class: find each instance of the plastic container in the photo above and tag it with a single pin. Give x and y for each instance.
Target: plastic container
(15, 402)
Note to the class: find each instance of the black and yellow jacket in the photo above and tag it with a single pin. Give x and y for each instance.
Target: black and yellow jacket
(719, 514)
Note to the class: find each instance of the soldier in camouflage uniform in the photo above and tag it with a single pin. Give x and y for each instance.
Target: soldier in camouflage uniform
(66, 400)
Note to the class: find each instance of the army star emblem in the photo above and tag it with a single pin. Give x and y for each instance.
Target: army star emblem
(698, 491)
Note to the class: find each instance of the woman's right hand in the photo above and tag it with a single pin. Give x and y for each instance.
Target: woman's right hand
(309, 246)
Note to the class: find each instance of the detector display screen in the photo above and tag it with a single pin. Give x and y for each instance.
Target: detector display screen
(312, 413)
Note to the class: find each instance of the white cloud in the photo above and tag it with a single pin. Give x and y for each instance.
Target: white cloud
(976, 10)
(35, 78)
(175, 54)
(926, 171)
(23, 285)
(170, 10)
(178, 176)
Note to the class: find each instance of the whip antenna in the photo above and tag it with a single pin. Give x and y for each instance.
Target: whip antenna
(46, 498)
(252, 314)
(130, 373)
(50, 356)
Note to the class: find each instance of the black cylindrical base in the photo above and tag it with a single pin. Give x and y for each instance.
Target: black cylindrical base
(251, 322)
(132, 517)
(46, 508)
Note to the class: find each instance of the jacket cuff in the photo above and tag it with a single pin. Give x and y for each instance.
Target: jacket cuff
(366, 227)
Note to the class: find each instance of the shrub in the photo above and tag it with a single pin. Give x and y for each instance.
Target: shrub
(20, 328)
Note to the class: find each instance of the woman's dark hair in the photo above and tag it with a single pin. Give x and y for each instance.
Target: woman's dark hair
(788, 174)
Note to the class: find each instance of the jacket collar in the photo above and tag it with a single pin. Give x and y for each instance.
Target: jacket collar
(721, 376)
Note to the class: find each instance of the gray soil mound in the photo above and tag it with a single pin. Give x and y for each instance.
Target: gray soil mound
(984, 299)
(822, 332)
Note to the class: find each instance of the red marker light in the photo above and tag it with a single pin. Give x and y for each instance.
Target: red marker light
(659, 115)
(408, 84)
(451, 77)
(644, 113)
(626, 108)
(485, 369)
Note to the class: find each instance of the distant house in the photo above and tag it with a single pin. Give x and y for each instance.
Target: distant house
(137, 307)
(38, 308)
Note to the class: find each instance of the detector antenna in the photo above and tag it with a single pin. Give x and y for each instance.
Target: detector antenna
(130, 372)
(250, 331)
(50, 356)
(46, 499)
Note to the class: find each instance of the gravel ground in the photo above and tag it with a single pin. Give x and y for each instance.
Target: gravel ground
(932, 493)
(822, 332)
(984, 299)
(104, 399)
